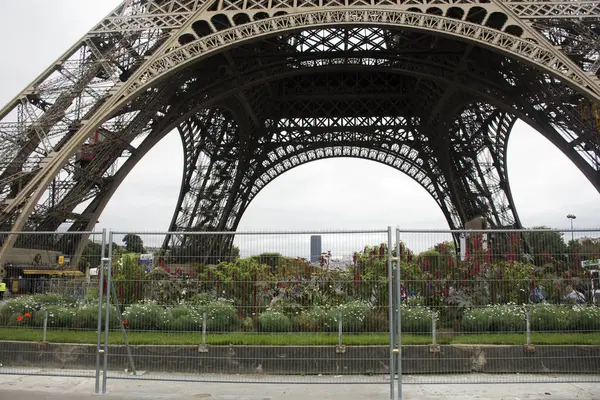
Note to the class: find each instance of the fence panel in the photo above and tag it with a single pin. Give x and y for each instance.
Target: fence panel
(502, 306)
(50, 304)
(254, 307)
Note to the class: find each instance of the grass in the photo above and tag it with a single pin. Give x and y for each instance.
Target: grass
(299, 339)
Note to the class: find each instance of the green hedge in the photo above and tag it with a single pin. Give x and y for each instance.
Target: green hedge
(544, 318)
(357, 317)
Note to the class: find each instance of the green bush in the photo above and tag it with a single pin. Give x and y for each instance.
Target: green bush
(377, 321)
(548, 317)
(286, 306)
(200, 299)
(584, 318)
(301, 322)
(354, 315)
(496, 318)
(414, 301)
(415, 319)
(316, 317)
(145, 317)
(544, 317)
(183, 319)
(87, 317)
(58, 317)
(274, 321)
(22, 305)
(221, 315)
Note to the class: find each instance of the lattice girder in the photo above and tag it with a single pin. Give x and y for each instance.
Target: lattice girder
(478, 140)
(143, 43)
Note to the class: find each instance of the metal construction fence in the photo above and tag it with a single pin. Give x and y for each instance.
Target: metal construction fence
(325, 307)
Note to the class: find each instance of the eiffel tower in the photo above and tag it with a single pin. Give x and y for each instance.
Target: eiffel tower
(257, 87)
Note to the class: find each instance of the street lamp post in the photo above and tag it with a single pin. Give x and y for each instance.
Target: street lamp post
(571, 217)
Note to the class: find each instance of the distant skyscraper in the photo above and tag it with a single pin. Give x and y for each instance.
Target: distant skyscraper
(315, 248)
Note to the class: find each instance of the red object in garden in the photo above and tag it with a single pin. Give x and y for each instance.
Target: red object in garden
(510, 256)
(477, 268)
(20, 318)
(28, 315)
(357, 279)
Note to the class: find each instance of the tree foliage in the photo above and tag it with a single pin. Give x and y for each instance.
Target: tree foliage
(133, 243)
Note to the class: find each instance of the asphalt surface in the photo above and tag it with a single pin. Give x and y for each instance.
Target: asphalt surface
(19, 387)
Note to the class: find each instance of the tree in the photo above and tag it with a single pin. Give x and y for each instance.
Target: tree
(133, 243)
(545, 247)
(235, 253)
(585, 248)
(91, 255)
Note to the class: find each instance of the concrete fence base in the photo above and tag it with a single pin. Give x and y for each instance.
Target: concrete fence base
(308, 360)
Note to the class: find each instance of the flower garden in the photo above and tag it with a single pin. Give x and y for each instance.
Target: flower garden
(290, 301)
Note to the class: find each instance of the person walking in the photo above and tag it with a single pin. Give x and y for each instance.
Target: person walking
(2, 289)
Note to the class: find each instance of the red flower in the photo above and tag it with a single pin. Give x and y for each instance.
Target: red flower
(28, 315)
(488, 256)
(20, 318)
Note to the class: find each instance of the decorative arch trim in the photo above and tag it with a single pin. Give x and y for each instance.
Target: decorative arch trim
(525, 49)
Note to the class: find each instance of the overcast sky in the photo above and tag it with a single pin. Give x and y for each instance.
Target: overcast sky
(330, 194)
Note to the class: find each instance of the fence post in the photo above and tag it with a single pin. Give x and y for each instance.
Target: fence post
(203, 348)
(391, 313)
(204, 328)
(100, 298)
(123, 332)
(340, 328)
(528, 318)
(45, 326)
(398, 311)
(107, 311)
(433, 326)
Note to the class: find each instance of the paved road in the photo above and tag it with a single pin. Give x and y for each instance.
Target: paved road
(61, 388)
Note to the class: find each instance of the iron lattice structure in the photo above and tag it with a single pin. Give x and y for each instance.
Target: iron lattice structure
(257, 87)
